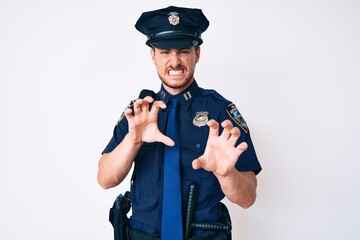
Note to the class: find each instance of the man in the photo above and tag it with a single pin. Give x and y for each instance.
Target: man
(215, 150)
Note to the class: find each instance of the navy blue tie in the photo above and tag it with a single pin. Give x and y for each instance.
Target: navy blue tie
(171, 228)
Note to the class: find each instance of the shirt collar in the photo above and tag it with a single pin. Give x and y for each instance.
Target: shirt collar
(185, 97)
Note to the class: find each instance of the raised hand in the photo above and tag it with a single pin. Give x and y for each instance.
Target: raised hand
(143, 125)
(220, 154)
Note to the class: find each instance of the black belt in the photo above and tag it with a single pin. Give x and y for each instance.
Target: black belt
(137, 235)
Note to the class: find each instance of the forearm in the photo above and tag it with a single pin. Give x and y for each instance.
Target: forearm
(239, 187)
(114, 166)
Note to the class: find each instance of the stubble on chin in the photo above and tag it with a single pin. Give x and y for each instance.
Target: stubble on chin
(181, 85)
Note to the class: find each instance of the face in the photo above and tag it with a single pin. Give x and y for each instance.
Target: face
(176, 67)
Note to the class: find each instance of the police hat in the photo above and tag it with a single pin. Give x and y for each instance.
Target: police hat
(173, 27)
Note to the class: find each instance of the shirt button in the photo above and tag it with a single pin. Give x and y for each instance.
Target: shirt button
(198, 145)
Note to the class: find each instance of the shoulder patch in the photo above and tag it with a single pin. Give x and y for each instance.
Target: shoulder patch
(237, 117)
(131, 104)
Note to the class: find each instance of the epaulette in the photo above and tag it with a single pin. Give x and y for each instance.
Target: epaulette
(213, 93)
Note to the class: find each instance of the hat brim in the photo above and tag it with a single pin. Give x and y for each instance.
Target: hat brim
(174, 43)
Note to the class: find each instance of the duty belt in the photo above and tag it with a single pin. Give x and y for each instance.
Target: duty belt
(212, 230)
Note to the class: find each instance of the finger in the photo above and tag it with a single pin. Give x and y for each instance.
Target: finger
(227, 126)
(148, 99)
(235, 134)
(144, 106)
(156, 107)
(242, 147)
(137, 106)
(214, 128)
(128, 114)
(160, 104)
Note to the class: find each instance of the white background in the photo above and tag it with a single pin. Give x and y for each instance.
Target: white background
(69, 68)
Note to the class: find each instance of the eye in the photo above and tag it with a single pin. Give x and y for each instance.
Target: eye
(164, 52)
(185, 51)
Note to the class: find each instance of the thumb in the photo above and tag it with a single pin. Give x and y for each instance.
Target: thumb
(164, 139)
(198, 163)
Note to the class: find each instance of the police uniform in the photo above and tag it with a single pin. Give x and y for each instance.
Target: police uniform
(198, 105)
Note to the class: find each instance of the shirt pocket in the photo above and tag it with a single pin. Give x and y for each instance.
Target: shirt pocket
(193, 145)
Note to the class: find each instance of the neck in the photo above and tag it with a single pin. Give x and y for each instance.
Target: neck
(176, 91)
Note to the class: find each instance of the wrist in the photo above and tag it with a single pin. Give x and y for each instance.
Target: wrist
(133, 141)
(227, 174)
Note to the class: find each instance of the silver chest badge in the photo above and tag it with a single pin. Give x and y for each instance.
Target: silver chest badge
(174, 18)
(201, 119)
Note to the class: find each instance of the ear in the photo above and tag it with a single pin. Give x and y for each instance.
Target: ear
(197, 54)
(152, 53)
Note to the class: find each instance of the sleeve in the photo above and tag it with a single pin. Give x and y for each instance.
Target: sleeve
(120, 130)
(119, 133)
(248, 160)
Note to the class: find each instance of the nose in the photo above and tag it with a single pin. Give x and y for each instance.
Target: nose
(175, 60)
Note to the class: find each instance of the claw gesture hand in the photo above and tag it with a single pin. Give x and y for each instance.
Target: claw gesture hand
(143, 125)
(220, 154)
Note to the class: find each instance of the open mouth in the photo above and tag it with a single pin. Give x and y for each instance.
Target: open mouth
(175, 73)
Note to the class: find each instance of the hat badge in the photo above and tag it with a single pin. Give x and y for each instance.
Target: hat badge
(174, 18)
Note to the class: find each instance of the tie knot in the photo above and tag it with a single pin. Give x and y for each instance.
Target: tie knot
(175, 102)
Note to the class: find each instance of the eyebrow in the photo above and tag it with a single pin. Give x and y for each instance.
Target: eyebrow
(177, 49)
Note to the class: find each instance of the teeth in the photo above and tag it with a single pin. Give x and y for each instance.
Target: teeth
(176, 72)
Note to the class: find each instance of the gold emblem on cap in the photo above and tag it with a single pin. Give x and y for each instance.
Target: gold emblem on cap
(174, 18)
(201, 119)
